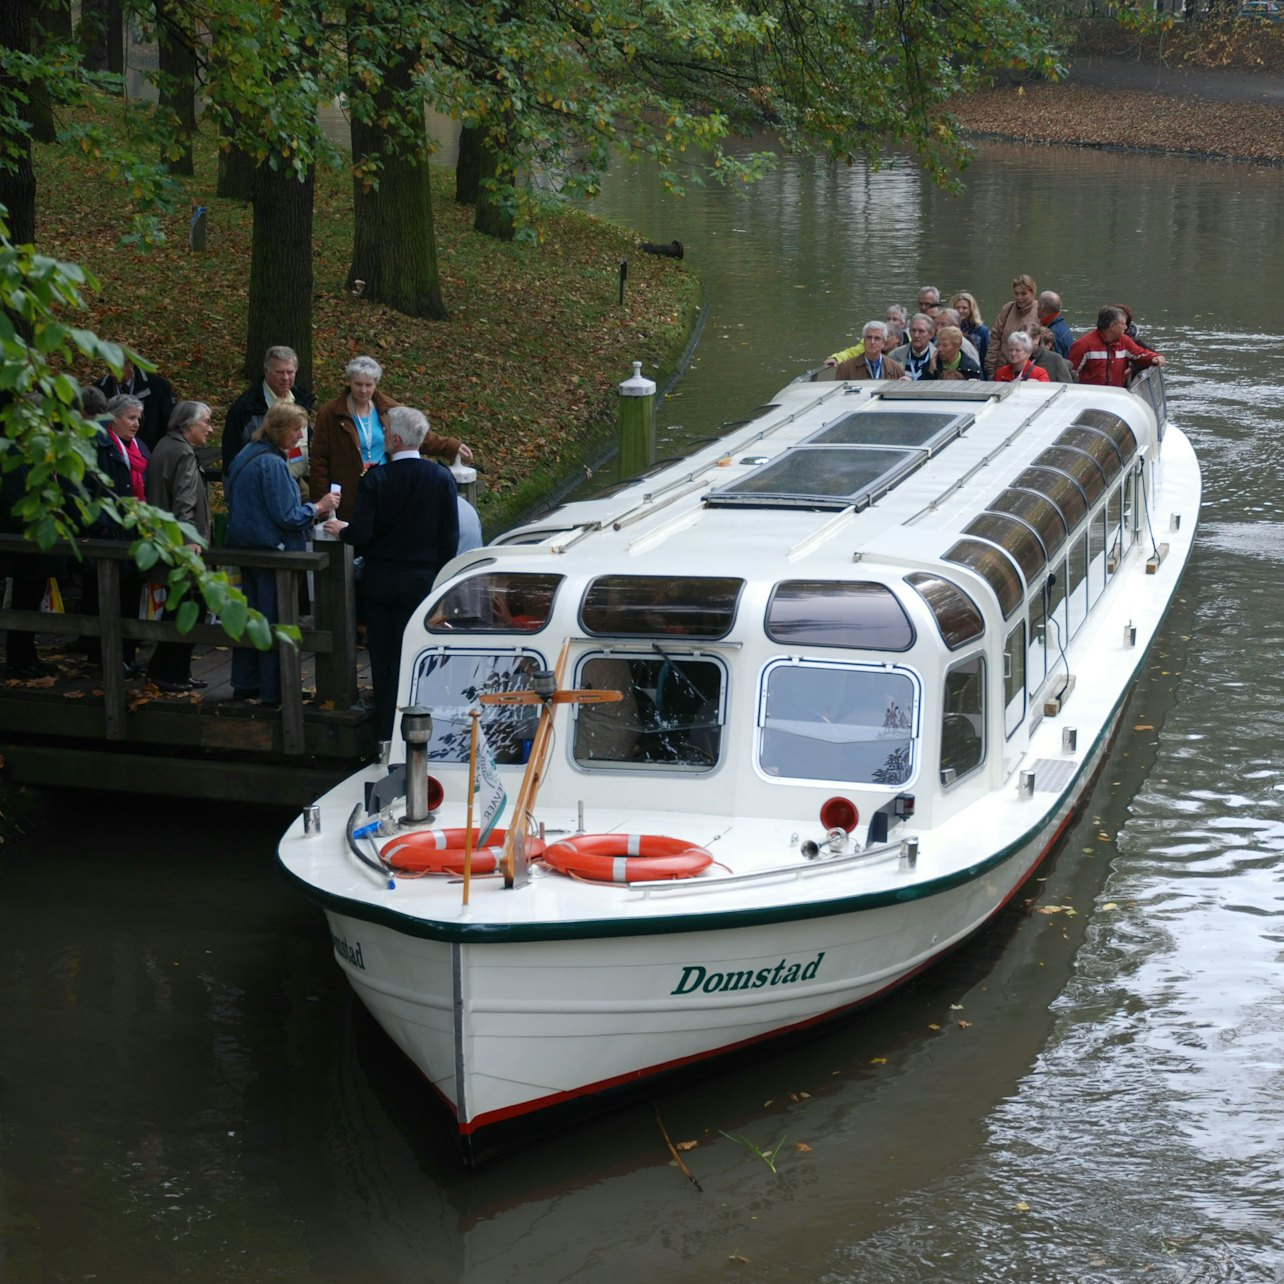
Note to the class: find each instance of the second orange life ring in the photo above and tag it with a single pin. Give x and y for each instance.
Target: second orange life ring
(626, 858)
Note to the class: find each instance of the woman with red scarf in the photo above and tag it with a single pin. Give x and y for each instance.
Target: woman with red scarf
(123, 458)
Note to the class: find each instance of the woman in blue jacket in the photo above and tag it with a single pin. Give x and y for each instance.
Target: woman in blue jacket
(265, 510)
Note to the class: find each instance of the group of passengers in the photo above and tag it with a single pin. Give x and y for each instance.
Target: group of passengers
(1030, 339)
(285, 479)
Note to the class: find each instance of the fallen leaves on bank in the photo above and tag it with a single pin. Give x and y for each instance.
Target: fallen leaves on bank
(1088, 116)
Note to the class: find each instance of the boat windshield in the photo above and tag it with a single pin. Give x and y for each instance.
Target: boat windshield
(850, 724)
(449, 683)
(671, 714)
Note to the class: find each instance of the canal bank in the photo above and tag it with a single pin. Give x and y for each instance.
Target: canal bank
(1117, 103)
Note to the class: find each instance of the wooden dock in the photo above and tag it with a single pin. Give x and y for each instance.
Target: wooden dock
(89, 725)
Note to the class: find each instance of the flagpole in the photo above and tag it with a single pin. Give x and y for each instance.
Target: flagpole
(475, 714)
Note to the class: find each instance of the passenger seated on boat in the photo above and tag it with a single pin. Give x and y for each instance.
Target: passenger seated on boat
(871, 363)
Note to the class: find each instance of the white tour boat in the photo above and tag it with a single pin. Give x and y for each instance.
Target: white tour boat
(871, 648)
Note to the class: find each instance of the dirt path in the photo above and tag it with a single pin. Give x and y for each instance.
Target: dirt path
(1120, 103)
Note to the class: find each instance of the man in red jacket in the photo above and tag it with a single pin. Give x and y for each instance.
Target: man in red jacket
(1103, 355)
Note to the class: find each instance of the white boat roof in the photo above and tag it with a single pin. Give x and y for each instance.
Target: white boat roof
(822, 476)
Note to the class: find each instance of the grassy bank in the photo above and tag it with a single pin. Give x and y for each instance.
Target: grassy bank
(525, 369)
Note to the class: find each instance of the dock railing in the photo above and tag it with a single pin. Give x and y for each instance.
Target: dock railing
(332, 636)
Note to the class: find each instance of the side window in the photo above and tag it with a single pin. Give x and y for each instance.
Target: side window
(1036, 653)
(1114, 530)
(1096, 556)
(671, 714)
(450, 682)
(1014, 679)
(1077, 593)
(963, 720)
(845, 723)
(1058, 632)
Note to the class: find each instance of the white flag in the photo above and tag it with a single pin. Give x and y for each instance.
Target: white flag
(488, 790)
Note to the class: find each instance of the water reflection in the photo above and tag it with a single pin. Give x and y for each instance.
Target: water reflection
(191, 1092)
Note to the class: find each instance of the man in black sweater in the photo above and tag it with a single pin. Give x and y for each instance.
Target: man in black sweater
(406, 528)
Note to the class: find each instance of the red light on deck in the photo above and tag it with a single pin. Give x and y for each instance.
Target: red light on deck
(839, 813)
(436, 794)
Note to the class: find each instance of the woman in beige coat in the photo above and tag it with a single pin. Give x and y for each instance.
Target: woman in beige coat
(1019, 314)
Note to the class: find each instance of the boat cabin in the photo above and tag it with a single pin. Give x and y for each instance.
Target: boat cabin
(856, 606)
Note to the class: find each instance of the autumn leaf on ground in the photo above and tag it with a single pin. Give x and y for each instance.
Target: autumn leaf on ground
(803, 1147)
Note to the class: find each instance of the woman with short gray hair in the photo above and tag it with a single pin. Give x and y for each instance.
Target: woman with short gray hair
(1018, 345)
(349, 436)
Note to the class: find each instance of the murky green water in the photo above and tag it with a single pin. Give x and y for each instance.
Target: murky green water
(189, 1092)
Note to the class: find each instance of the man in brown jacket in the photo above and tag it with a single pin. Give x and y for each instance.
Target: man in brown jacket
(871, 364)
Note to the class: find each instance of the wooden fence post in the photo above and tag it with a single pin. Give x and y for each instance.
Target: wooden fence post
(335, 611)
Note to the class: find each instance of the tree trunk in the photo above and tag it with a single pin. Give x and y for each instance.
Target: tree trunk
(177, 84)
(394, 250)
(468, 165)
(235, 172)
(280, 306)
(102, 35)
(491, 217)
(51, 24)
(17, 177)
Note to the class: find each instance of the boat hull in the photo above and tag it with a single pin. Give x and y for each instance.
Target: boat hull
(519, 1038)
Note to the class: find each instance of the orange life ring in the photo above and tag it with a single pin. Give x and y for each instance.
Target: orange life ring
(441, 851)
(626, 858)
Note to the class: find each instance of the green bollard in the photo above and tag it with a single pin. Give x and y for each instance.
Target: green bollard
(637, 423)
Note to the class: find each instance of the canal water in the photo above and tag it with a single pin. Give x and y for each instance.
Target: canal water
(1092, 1091)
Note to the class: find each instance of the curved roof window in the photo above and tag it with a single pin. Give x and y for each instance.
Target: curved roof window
(495, 602)
(1016, 537)
(660, 606)
(1060, 488)
(1096, 444)
(837, 613)
(1037, 511)
(1114, 427)
(957, 617)
(1083, 468)
(995, 567)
